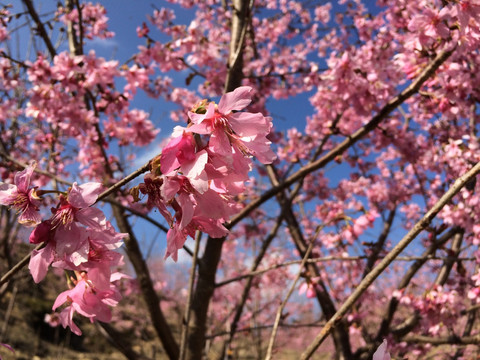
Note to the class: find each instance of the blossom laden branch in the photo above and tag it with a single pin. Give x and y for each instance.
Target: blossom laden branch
(423, 223)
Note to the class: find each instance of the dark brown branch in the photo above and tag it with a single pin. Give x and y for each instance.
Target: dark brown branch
(444, 272)
(261, 327)
(40, 27)
(436, 340)
(145, 282)
(213, 249)
(378, 247)
(118, 340)
(340, 334)
(18, 266)
(467, 330)
(124, 181)
(186, 316)
(246, 289)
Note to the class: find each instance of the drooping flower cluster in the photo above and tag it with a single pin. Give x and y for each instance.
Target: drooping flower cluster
(205, 165)
(77, 238)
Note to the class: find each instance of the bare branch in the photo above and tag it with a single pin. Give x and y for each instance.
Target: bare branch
(290, 291)
(436, 340)
(186, 316)
(40, 27)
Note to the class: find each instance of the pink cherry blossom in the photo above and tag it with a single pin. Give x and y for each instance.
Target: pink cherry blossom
(21, 197)
(88, 301)
(70, 245)
(76, 207)
(243, 130)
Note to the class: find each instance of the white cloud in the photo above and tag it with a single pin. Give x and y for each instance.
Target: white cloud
(102, 44)
(148, 154)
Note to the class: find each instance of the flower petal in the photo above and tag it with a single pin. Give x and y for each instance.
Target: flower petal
(84, 195)
(22, 179)
(39, 262)
(237, 99)
(249, 124)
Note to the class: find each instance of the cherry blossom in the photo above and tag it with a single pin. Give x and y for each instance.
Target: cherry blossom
(21, 197)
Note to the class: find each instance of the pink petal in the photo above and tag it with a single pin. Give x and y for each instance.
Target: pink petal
(61, 299)
(8, 193)
(22, 179)
(118, 275)
(170, 187)
(260, 148)
(194, 168)
(39, 262)
(186, 204)
(175, 240)
(249, 124)
(238, 99)
(212, 205)
(219, 143)
(213, 228)
(8, 347)
(200, 183)
(30, 216)
(92, 217)
(168, 159)
(202, 129)
(41, 233)
(199, 118)
(66, 318)
(84, 195)
(69, 241)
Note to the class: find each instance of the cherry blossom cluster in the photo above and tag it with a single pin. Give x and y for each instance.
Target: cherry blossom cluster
(77, 238)
(94, 20)
(205, 165)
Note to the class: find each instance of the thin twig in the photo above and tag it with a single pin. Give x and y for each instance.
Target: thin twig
(117, 340)
(18, 266)
(124, 181)
(269, 326)
(436, 340)
(8, 313)
(336, 258)
(186, 319)
(284, 302)
(246, 289)
(40, 27)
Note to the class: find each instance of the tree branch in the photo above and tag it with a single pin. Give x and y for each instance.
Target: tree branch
(278, 316)
(40, 28)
